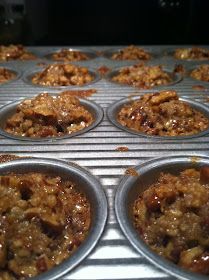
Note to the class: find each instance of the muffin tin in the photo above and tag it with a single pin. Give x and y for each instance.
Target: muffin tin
(100, 150)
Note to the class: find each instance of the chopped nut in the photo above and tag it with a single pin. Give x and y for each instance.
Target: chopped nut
(131, 172)
(122, 149)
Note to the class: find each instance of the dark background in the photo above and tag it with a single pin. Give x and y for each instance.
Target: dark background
(112, 22)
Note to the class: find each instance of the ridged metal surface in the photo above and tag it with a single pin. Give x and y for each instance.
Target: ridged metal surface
(113, 257)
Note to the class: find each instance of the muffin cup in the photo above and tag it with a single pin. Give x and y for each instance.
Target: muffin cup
(108, 54)
(87, 184)
(131, 186)
(27, 76)
(171, 51)
(14, 71)
(91, 54)
(9, 109)
(176, 78)
(114, 109)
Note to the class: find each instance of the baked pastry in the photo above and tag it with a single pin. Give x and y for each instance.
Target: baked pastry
(192, 53)
(63, 75)
(131, 53)
(162, 114)
(142, 76)
(15, 52)
(171, 216)
(48, 116)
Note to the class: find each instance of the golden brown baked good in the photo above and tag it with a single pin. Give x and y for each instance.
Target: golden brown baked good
(171, 216)
(192, 53)
(15, 52)
(131, 53)
(47, 116)
(143, 76)
(201, 73)
(44, 219)
(162, 114)
(6, 75)
(63, 75)
(68, 55)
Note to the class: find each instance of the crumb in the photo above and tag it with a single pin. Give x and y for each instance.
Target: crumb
(131, 172)
(7, 157)
(179, 68)
(122, 149)
(103, 70)
(195, 159)
(198, 87)
(99, 53)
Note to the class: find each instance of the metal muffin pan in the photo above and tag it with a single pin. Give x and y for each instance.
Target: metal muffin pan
(14, 71)
(9, 109)
(114, 109)
(109, 52)
(128, 190)
(27, 76)
(113, 258)
(176, 77)
(87, 184)
(90, 53)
